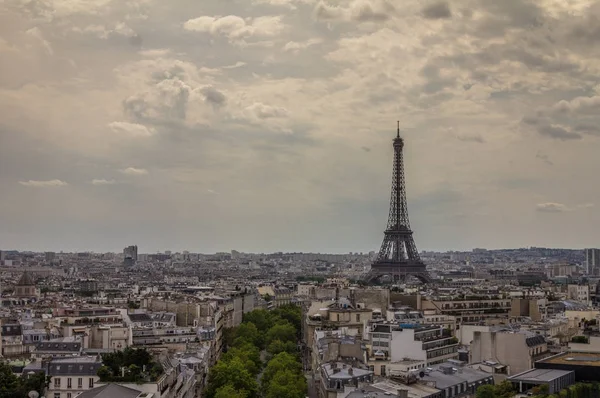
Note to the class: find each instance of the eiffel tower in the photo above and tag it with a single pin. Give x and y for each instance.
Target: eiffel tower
(398, 257)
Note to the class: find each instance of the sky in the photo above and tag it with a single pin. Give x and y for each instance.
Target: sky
(267, 125)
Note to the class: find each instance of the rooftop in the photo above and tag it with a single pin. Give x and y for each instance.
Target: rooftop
(109, 391)
(344, 371)
(459, 375)
(575, 358)
(539, 375)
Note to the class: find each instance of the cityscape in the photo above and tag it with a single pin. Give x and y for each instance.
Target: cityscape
(396, 323)
(194, 199)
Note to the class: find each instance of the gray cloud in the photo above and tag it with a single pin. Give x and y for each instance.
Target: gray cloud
(544, 158)
(551, 207)
(437, 10)
(558, 133)
(477, 138)
(213, 96)
(275, 107)
(43, 184)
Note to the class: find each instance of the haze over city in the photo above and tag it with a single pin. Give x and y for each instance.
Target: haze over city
(266, 125)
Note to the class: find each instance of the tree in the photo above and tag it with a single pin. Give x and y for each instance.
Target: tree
(580, 339)
(229, 391)
(280, 362)
(283, 332)
(291, 313)
(9, 382)
(541, 390)
(12, 386)
(248, 332)
(502, 390)
(486, 391)
(249, 354)
(231, 372)
(286, 384)
(104, 373)
(262, 319)
(278, 346)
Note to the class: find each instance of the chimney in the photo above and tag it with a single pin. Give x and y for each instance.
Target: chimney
(337, 294)
(402, 393)
(350, 371)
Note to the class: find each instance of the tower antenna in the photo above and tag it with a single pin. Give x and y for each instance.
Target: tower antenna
(398, 136)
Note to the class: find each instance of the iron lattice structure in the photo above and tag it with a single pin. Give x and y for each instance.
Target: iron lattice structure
(398, 257)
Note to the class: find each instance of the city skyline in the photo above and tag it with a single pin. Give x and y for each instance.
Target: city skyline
(267, 125)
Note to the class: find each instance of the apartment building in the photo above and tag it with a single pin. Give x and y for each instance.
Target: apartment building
(518, 351)
(394, 346)
(469, 308)
(69, 377)
(579, 293)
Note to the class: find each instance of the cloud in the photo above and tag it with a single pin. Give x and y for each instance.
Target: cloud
(358, 10)
(586, 206)
(132, 171)
(43, 184)
(544, 158)
(558, 132)
(259, 111)
(276, 114)
(238, 64)
(131, 129)
(471, 138)
(213, 96)
(167, 100)
(103, 181)
(236, 28)
(371, 10)
(551, 207)
(104, 32)
(296, 46)
(437, 10)
(579, 105)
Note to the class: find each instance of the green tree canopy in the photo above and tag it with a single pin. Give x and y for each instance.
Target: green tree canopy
(283, 332)
(8, 380)
(229, 391)
(291, 313)
(249, 354)
(231, 372)
(12, 386)
(278, 346)
(280, 362)
(486, 391)
(502, 390)
(262, 319)
(286, 384)
(248, 332)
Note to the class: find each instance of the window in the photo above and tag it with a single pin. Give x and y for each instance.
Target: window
(56, 395)
(69, 383)
(69, 395)
(57, 382)
(91, 382)
(80, 382)
(357, 317)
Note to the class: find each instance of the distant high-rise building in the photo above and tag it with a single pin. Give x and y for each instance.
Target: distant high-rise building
(130, 255)
(50, 256)
(2, 255)
(592, 261)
